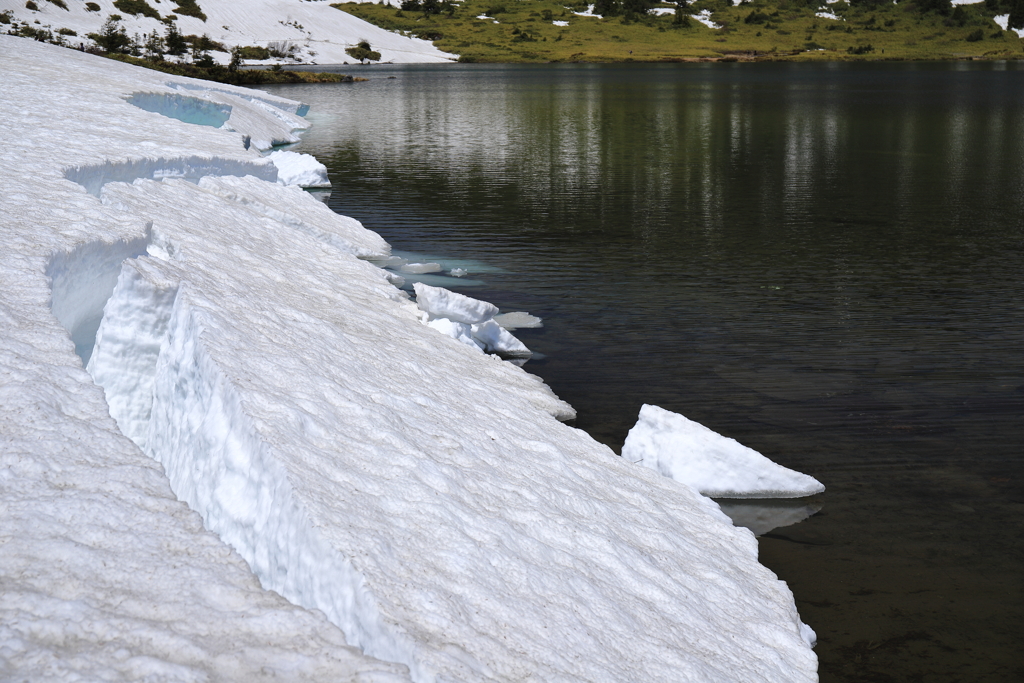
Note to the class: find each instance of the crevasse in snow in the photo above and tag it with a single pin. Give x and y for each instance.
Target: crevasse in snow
(420, 493)
(182, 107)
(94, 176)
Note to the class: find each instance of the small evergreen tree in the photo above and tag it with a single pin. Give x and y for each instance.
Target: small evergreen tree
(608, 8)
(112, 36)
(1016, 19)
(174, 42)
(154, 46)
(236, 59)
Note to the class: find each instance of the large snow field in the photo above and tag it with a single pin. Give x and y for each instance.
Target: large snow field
(420, 494)
(319, 32)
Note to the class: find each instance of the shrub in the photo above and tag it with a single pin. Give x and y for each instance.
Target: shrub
(860, 50)
(60, 3)
(362, 51)
(189, 8)
(67, 32)
(756, 17)
(253, 52)
(6, 17)
(32, 6)
(281, 49)
(92, 7)
(204, 43)
(975, 36)
(136, 7)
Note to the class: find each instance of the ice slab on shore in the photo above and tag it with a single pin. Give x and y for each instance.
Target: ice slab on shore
(302, 170)
(438, 302)
(467, 320)
(715, 465)
(423, 496)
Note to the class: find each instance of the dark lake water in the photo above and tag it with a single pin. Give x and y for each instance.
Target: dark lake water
(822, 261)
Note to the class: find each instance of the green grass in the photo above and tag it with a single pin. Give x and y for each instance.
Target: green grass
(781, 29)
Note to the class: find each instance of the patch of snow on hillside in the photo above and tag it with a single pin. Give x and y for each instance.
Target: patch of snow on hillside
(315, 31)
(704, 17)
(589, 12)
(1003, 20)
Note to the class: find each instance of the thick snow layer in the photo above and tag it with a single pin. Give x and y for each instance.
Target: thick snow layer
(423, 496)
(104, 575)
(713, 464)
(318, 32)
(302, 170)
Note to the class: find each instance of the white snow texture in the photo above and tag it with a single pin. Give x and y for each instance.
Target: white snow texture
(408, 495)
(713, 464)
(312, 30)
(467, 320)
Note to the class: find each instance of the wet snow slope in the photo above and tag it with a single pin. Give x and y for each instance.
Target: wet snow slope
(422, 495)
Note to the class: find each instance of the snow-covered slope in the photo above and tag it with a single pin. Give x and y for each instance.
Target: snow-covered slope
(319, 32)
(420, 494)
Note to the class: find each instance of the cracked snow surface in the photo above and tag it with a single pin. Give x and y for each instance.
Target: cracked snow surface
(356, 478)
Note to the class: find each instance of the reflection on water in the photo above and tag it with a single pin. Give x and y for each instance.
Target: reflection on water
(762, 516)
(820, 261)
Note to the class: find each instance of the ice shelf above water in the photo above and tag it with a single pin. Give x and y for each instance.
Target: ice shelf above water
(714, 465)
(407, 495)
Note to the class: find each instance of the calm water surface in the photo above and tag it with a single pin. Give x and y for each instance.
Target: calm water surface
(821, 261)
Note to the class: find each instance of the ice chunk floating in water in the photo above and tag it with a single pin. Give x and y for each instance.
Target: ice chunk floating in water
(715, 465)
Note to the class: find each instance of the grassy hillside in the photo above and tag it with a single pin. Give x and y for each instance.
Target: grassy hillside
(523, 31)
